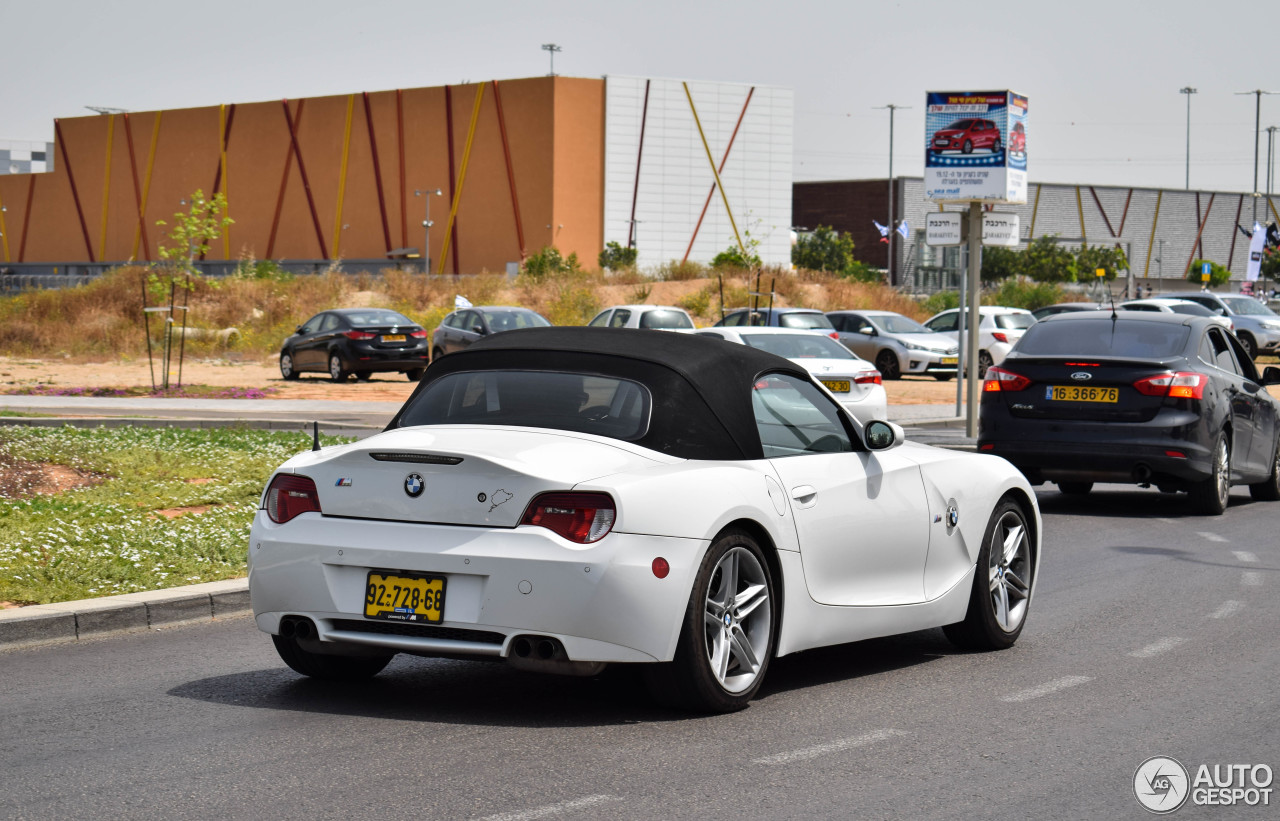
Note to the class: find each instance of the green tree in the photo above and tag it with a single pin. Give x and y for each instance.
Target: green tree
(823, 250)
(204, 220)
(1045, 260)
(1218, 275)
(548, 263)
(616, 258)
(1000, 263)
(1092, 257)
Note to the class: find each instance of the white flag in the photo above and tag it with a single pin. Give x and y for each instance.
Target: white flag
(460, 302)
(902, 229)
(1256, 244)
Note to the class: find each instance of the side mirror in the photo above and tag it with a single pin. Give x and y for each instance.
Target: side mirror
(1271, 376)
(883, 435)
(869, 332)
(298, 330)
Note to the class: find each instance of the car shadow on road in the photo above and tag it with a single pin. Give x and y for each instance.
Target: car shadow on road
(492, 694)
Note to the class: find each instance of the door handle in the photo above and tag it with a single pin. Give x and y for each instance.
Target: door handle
(806, 495)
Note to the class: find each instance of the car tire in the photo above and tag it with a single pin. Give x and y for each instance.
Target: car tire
(414, 374)
(887, 364)
(287, 367)
(967, 148)
(717, 667)
(1210, 496)
(942, 377)
(1269, 490)
(1247, 342)
(362, 376)
(995, 146)
(1075, 488)
(327, 666)
(984, 362)
(1001, 594)
(436, 353)
(337, 371)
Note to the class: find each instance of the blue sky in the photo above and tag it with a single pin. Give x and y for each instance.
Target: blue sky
(1102, 77)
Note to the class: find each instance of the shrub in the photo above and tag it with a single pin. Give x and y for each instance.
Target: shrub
(616, 258)
(733, 257)
(548, 263)
(940, 301)
(1022, 293)
(823, 250)
(680, 271)
(1217, 274)
(698, 303)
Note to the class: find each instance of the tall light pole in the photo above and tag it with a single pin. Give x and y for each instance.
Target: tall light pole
(426, 225)
(1257, 132)
(1271, 169)
(553, 48)
(892, 228)
(1188, 90)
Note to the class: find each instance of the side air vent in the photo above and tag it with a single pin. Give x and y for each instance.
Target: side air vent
(418, 458)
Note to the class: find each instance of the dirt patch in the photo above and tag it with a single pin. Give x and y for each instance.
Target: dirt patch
(21, 479)
(175, 512)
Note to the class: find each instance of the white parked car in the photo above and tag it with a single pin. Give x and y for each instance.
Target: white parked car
(854, 382)
(564, 498)
(999, 328)
(1167, 305)
(652, 317)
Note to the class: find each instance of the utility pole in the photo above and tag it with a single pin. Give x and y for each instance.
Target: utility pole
(1188, 90)
(1257, 133)
(892, 228)
(1271, 169)
(553, 48)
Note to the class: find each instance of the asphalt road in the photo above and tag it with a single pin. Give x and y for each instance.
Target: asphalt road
(1152, 633)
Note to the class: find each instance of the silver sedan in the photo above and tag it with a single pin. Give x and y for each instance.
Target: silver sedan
(896, 344)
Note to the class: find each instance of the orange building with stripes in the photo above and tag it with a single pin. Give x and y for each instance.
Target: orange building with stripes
(676, 169)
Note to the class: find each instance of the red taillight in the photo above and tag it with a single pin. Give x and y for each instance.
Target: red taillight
(868, 378)
(1083, 364)
(361, 335)
(999, 336)
(418, 334)
(579, 517)
(1180, 385)
(834, 335)
(998, 379)
(290, 495)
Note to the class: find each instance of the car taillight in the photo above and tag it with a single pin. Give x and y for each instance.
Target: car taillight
(998, 379)
(834, 335)
(358, 335)
(579, 517)
(290, 495)
(868, 378)
(998, 336)
(418, 334)
(1180, 385)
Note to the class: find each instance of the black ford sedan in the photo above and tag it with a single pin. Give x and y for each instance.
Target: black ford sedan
(1152, 399)
(358, 341)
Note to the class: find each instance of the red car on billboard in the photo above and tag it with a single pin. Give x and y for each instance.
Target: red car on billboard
(966, 135)
(1018, 139)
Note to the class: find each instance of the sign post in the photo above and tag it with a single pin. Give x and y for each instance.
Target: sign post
(976, 153)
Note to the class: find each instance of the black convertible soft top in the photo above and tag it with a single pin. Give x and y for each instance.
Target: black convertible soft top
(701, 387)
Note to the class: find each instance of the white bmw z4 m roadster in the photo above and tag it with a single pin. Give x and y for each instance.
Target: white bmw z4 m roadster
(567, 498)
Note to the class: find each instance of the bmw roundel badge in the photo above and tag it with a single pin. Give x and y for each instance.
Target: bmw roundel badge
(413, 485)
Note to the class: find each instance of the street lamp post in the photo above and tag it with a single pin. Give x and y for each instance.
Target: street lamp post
(1188, 90)
(426, 225)
(1257, 133)
(892, 228)
(553, 48)
(1271, 169)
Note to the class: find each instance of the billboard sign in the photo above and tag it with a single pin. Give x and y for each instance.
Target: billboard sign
(975, 146)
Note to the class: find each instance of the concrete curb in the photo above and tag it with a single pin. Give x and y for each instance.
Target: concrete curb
(70, 621)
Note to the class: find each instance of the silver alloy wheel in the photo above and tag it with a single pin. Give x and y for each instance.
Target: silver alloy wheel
(738, 619)
(1010, 565)
(1222, 472)
(335, 368)
(286, 365)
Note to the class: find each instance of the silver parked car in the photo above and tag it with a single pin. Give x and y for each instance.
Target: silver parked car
(1257, 326)
(896, 344)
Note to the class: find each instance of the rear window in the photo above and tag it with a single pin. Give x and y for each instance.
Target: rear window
(805, 320)
(601, 405)
(1104, 337)
(1191, 308)
(798, 346)
(379, 317)
(511, 320)
(665, 320)
(1015, 322)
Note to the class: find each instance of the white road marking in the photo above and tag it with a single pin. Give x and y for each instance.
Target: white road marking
(553, 809)
(1156, 648)
(1048, 688)
(1252, 578)
(1227, 610)
(1213, 537)
(832, 747)
(1245, 556)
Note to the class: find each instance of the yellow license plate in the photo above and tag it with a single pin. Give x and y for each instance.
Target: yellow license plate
(393, 337)
(948, 360)
(1081, 393)
(400, 597)
(837, 385)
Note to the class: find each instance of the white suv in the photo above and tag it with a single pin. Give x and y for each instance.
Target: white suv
(998, 329)
(657, 317)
